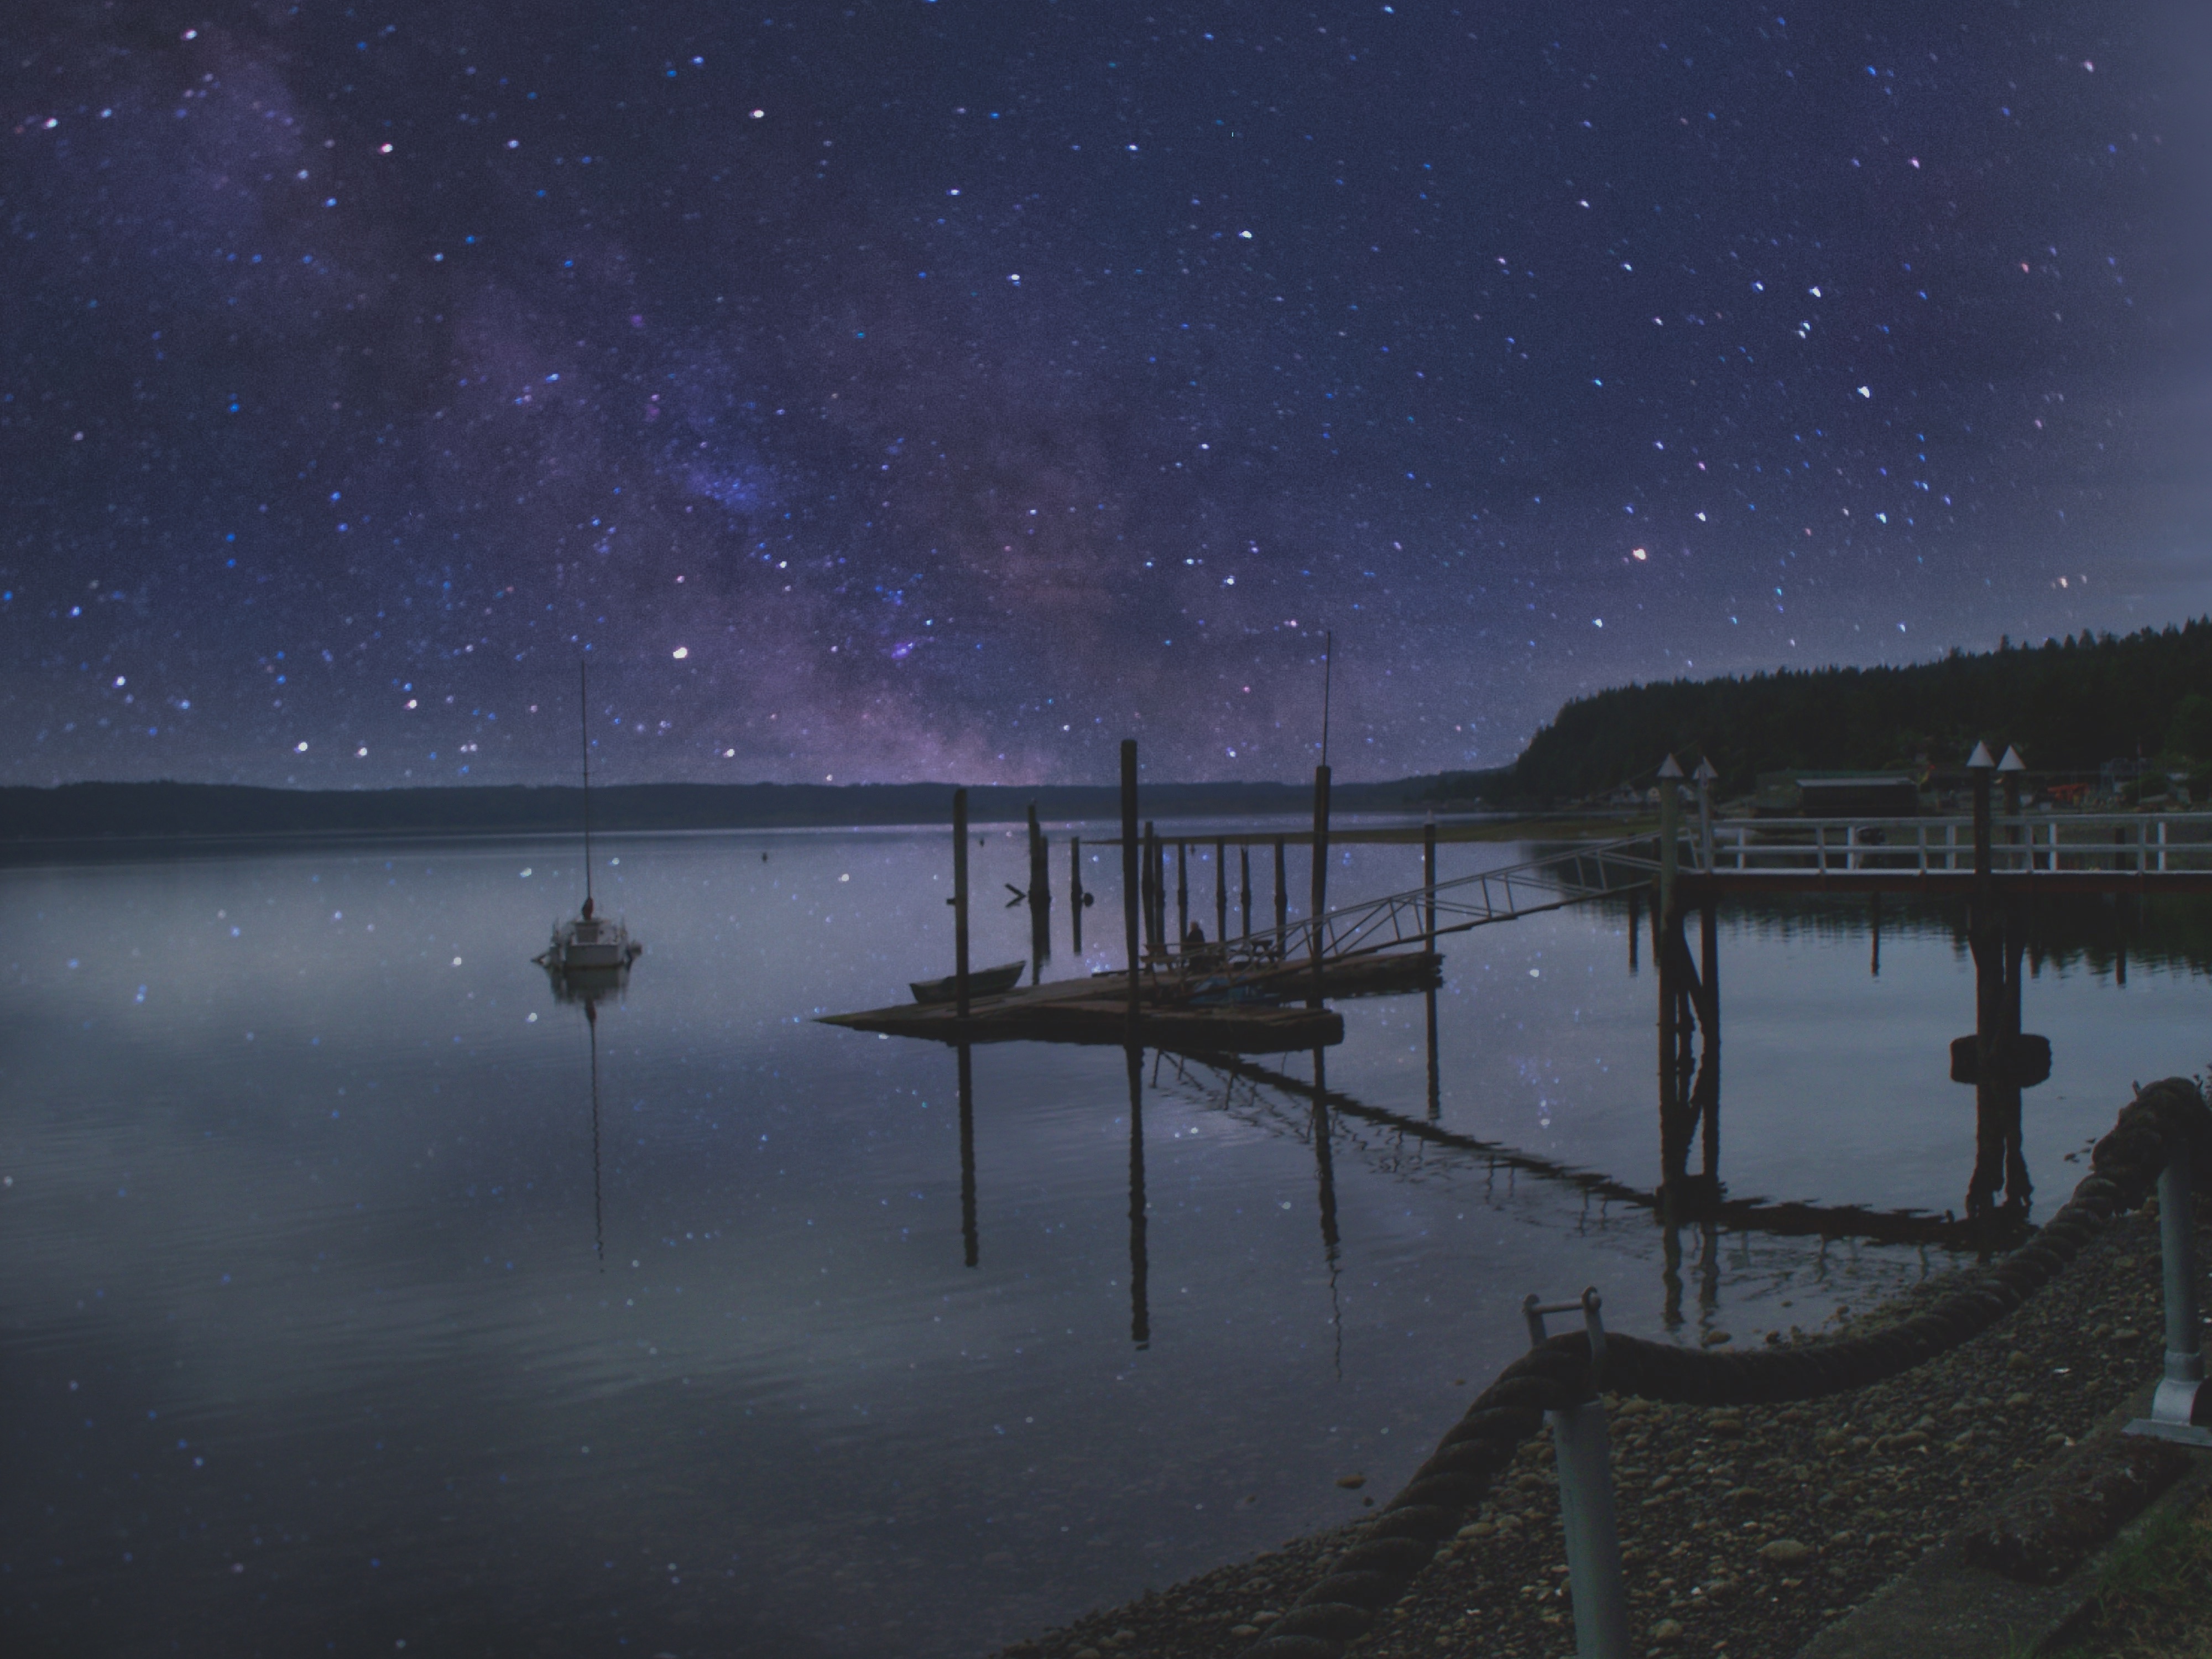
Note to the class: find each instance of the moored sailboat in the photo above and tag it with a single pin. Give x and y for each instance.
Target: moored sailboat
(588, 944)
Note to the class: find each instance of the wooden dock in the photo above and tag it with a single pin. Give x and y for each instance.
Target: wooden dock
(1096, 1010)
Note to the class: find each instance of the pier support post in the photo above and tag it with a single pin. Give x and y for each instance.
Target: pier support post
(1587, 1517)
(1076, 896)
(1282, 904)
(1429, 877)
(1319, 876)
(1244, 871)
(1182, 895)
(1039, 897)
(1706, 1093)
(1220, 892)
(1131, 882)
(960, 902)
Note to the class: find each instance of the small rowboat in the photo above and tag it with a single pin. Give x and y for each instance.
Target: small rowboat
(982, 982)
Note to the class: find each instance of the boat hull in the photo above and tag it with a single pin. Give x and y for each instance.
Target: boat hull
(982, 982)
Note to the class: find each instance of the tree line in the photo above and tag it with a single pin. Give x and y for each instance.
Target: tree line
(2069, 705)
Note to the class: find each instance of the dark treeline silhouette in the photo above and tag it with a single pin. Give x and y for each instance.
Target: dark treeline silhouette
(2070, 705)
(78, 811)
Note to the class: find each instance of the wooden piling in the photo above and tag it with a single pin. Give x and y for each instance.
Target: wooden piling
(1040, 898)
(1183, 894)
(1220, 892)
(1635, 924)
(1282, 903)
(1244, 868)
(1131, 854)
(1429, 877)
(1151, 890)
(1320, 876)
(1075, 893)
(960, 900)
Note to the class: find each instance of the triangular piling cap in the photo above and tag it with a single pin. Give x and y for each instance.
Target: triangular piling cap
(2012, 762)
(1706, 771)
(1981, 760)
(1667, 769)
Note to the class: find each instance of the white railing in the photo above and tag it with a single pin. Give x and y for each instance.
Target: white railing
(2027, 843)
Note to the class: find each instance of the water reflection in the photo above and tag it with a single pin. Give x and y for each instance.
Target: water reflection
(1140, 1312)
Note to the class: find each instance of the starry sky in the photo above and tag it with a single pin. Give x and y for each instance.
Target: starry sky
(950, 388)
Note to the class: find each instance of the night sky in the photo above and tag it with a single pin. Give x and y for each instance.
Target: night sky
(950, 388)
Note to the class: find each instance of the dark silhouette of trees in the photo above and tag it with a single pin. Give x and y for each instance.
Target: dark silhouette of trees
(2068, 704)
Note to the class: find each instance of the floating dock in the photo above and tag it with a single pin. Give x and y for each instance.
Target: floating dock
(1096, 1010)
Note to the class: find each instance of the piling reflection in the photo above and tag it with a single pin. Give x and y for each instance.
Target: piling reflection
(970, 1243)
(1140, 1317)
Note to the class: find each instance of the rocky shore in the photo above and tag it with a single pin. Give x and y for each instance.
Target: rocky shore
(1743, 1531)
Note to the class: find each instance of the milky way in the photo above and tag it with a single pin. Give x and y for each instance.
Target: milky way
(948, 390)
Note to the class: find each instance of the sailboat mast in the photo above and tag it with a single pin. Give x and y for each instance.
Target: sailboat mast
(584, 727)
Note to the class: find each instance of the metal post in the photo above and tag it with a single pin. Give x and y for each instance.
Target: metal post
(2175, 1412)
(1586, 1510)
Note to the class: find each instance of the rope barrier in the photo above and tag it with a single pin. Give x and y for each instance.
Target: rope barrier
(1382, 1563)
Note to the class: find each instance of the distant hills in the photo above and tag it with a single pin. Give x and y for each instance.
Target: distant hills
(83, 811)
(2069, 704)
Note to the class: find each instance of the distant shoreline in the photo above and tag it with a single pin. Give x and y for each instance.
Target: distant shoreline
(116, 815)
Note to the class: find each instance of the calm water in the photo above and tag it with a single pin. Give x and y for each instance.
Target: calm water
(324, 1332)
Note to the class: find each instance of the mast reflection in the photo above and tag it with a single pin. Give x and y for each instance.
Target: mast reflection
(586, 987)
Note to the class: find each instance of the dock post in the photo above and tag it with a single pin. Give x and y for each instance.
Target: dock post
(1151, 890)
(1130, 883)
(1980, 764)
(1075, 895)
(1705, 1093)
(1182, 895)
(1282, 904)
(1673, 1142)
(1429, 876)
(1670, 833)
(1220, 892)
(1319, 876)
(1704, 775)
(1040, 897)
(1635, 924)
(1244, 867)
(969, 1238)
(960, 902)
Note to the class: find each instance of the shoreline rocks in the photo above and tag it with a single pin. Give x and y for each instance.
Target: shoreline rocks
(1743, 1530)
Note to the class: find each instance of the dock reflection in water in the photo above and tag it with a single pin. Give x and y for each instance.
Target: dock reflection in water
(324, 1211)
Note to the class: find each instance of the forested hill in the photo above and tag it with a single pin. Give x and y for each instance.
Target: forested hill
(2068, 704)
